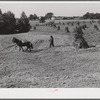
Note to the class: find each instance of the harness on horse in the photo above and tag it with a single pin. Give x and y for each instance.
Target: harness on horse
(21, 44)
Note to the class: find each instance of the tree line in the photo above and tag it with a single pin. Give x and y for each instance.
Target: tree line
(11, 25)
(42, 19)
(91, 16)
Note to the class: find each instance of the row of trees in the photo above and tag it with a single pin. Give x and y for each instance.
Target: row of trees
(47, 16)
(91, 16)
(33, 17)
(43, 18)
(9, 24)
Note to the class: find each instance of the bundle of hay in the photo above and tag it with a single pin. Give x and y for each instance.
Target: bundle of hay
(79, 41)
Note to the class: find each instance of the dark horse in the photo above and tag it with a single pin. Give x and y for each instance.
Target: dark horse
(22, 44)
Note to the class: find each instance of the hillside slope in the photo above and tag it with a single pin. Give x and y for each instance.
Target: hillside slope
(60, 66)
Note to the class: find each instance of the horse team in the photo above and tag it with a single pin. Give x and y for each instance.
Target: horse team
(28, 44)
(21, 44)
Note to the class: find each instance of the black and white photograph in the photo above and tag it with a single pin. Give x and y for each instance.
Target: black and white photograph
(49, 45)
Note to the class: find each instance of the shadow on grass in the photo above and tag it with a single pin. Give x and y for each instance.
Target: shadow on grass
(35, 51)
(48, 48)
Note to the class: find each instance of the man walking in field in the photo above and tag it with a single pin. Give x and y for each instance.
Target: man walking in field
(51, 41)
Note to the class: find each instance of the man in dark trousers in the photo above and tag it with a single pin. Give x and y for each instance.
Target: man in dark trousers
(51, 41)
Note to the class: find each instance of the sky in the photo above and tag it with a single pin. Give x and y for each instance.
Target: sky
(59, 9)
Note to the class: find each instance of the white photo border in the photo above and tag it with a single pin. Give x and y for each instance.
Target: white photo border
(50, 93)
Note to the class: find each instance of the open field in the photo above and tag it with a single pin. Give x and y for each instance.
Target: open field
(62, 66)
